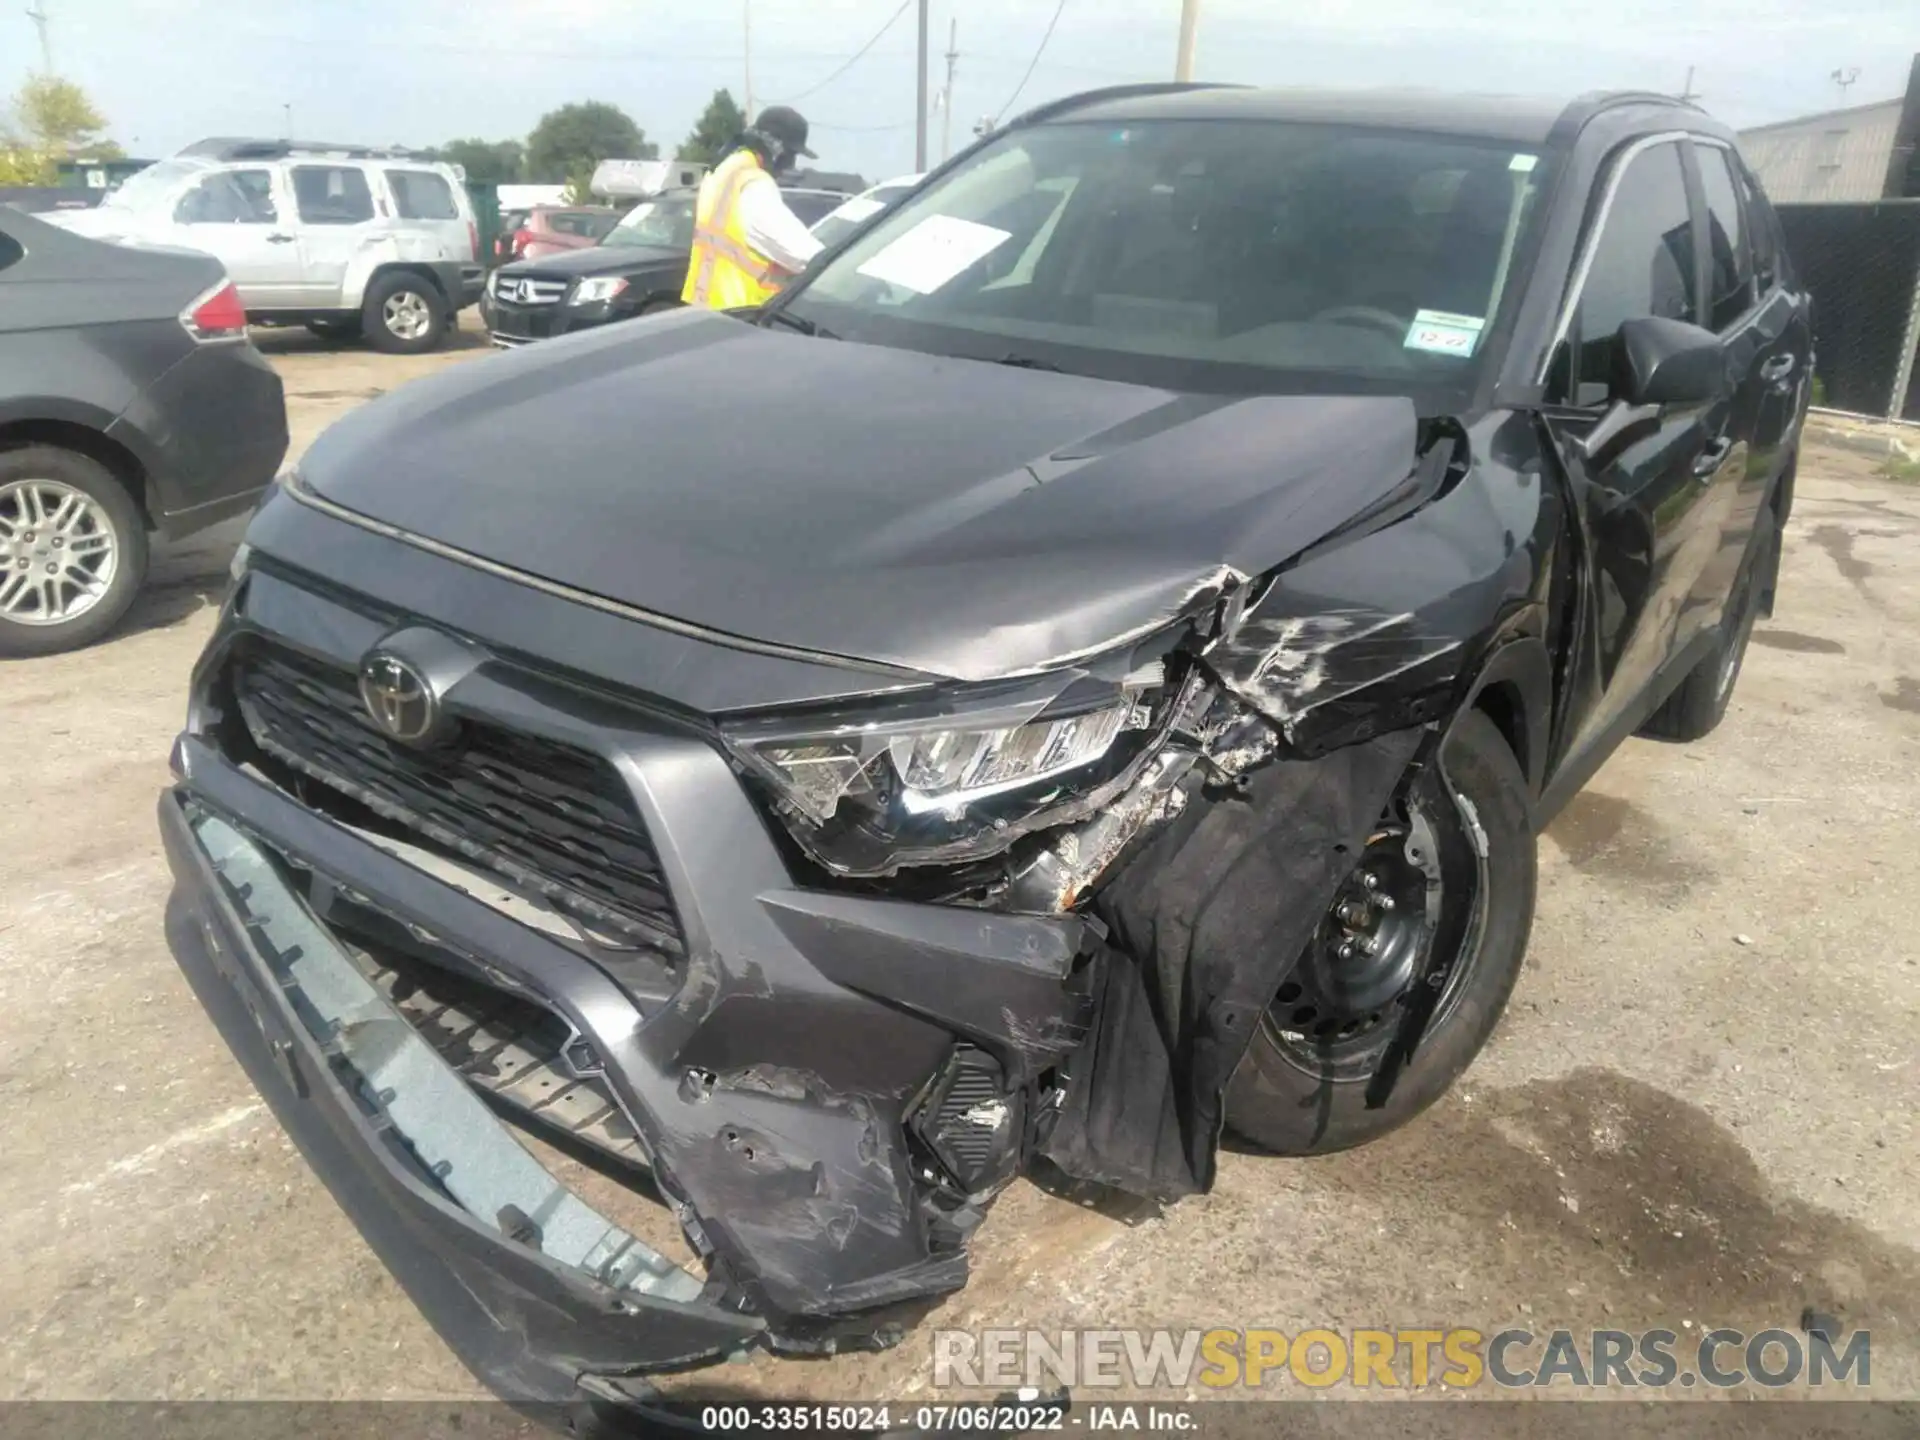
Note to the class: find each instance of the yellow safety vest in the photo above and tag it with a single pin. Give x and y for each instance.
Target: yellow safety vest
(725, 273)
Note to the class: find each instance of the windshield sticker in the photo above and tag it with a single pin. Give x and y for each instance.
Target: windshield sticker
(857, 209)
(933, 252)
(1444, 333)
(1523, 162)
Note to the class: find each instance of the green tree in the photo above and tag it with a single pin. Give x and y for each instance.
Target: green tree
(576, 138)
(487, 162)
(57, 117)
(52, 120)
(713, 134)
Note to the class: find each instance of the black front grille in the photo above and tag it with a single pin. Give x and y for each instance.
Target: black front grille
(549, 816)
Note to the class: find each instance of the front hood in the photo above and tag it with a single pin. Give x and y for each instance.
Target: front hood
(598, 260)
(951, 516)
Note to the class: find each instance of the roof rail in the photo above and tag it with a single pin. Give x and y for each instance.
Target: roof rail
(230, 148)
(1068, 103)
(1598, 100)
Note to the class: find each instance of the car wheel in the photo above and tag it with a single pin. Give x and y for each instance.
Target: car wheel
(337, 328)
(73, 550)
(1700, 703)
(404, 314)
(1452, 863)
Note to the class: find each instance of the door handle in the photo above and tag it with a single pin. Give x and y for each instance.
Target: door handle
(280, 239)
(1711, 458)
(1777, 369)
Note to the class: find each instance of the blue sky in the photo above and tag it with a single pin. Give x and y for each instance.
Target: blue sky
(167, 72)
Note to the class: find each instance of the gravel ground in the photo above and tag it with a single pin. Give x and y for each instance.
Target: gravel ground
(1699, 1111)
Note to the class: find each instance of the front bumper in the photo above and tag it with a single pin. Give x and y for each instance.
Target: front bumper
(368, 1105)
(510, 324)
(773, 1076)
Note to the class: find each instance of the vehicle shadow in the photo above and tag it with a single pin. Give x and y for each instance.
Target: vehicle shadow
(164, 603)
(297, 340)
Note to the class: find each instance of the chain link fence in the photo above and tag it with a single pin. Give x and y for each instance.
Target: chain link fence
(1862, 264)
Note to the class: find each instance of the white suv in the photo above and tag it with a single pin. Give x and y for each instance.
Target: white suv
(343, 240)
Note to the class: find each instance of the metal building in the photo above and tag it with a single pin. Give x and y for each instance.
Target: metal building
(1842, 155)
(1862, 153)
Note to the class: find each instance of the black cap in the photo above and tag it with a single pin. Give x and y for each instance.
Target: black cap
(785, 124)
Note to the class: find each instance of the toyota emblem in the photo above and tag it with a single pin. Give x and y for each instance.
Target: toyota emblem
(398, 698)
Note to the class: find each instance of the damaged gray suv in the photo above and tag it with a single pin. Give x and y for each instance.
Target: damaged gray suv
(1082, 669)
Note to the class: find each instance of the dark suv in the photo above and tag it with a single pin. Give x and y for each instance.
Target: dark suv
(638, 267)
(1082, 668)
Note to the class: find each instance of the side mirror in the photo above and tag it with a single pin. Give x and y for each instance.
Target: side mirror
(1669, 362)
(1661, 362)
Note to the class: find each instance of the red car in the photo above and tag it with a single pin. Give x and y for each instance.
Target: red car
(551, 230)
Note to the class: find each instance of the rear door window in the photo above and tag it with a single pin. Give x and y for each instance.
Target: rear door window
(332, 195)
(229, 197)
(422, 195)
(1729, 263)
(1642, 264)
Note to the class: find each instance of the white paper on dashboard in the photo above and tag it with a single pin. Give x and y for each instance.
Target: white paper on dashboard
(857, 210)
(933, 252)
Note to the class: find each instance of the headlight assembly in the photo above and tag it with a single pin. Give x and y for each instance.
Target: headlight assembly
(596, 289)
(868, 791)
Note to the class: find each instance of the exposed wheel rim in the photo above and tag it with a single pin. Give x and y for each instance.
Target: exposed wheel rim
(407, 315)
(58, 552)
(1343, 1002)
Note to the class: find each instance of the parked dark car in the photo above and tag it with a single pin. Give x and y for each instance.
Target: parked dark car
(131, 401)
(1082, 668)
(637, 269)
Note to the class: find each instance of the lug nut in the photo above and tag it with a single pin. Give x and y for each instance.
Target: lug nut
(1346, 949)
(1370, 880)
(1385, 902)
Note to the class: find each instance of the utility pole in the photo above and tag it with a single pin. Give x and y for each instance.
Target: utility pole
(746, 53)
(1687, 97)
(1189, 24)
(946, 102)
(286, 110)
(38, 14)
(920, 106)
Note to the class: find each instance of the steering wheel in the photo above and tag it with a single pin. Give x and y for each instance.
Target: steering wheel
(1361, 315)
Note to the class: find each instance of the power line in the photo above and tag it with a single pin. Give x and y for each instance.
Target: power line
(1031, 64)
(852, 60)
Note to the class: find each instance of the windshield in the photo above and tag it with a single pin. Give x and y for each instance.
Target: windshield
(1198, 254)
(666, 222)
(152, 187)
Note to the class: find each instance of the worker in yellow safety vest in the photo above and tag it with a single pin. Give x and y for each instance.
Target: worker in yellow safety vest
(746, 242)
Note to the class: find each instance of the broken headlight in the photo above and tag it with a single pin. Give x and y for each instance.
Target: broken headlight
(867, 792)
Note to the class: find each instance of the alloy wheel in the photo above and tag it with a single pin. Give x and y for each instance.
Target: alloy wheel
(407, 315)
(58, 552)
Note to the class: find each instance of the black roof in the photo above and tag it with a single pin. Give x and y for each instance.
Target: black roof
(1518, 119)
